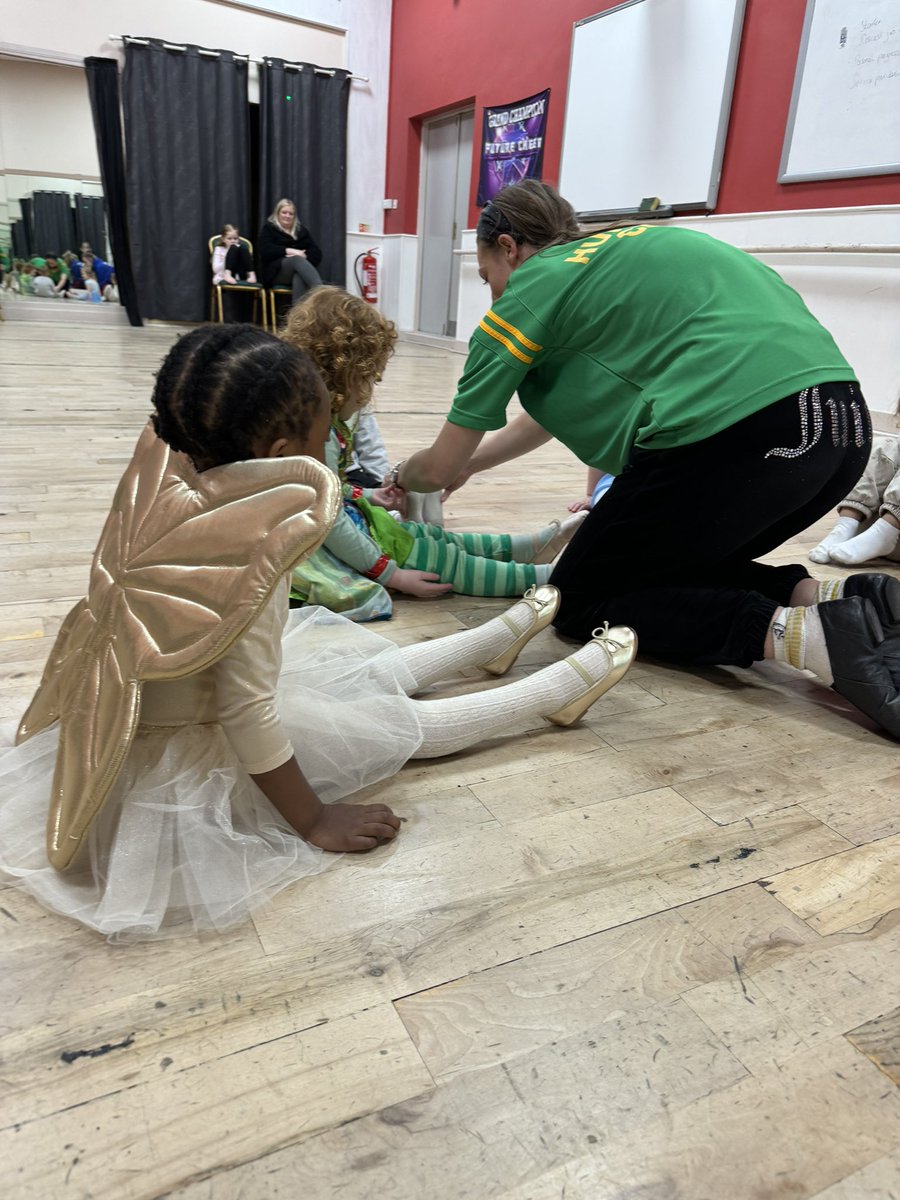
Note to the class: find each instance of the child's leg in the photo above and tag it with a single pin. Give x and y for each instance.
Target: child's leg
(880, 539)
(540, 547)
(460, 721)
(498, 546)
(442, 657)
(862, 504)
(470, 574)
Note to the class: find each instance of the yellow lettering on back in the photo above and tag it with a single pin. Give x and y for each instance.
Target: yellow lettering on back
(591, 246)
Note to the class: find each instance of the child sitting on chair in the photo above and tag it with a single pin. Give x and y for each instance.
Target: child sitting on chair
(231, 261)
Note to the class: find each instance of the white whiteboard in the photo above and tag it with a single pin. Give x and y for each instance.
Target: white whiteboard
(845, 109)
(647, 108)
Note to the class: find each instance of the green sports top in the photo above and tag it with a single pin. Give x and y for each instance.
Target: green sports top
(648, 337)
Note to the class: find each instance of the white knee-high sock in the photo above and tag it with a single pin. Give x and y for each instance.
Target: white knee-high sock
(442, 657)
(460, 721)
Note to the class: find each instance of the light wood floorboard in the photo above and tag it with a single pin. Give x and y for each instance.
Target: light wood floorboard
(652, 957)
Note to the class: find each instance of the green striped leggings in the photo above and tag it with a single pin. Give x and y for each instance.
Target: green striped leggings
(476, 564)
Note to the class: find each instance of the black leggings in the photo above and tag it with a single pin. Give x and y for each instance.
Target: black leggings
(238, 261)
(669, 549)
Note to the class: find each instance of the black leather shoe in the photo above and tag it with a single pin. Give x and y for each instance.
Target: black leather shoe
(865, 665)
(882, 590)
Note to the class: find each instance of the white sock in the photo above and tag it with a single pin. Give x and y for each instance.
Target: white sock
(438, 659)
(844, 529)
(460, 721)
(875, 542)
(799, 640)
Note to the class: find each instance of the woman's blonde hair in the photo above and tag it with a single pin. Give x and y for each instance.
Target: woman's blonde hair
(273, 216)
(349, 340)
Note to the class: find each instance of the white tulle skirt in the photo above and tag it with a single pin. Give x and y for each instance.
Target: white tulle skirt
(186, 841)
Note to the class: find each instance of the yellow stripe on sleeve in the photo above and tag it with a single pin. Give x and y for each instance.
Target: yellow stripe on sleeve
(517, 333)
(525, 358)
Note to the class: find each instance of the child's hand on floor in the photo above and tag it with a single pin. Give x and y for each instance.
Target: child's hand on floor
(424, 584)
(580, 505)
(342, 827)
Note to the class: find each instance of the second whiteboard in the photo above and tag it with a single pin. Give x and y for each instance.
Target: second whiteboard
(648, 101)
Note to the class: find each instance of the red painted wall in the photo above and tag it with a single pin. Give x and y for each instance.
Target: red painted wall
(448, 54)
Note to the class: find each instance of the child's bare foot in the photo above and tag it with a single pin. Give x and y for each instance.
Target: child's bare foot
(227, 277)
(251, 278)
(343, 827)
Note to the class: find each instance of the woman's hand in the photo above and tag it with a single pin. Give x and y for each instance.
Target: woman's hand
(457, 483)
(293, 252)
(389, 496)
(342, 827)
(424, 584)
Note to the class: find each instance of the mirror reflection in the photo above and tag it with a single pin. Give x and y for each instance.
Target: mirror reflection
(52, 228)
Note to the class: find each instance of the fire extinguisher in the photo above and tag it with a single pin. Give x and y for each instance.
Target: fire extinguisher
(366, 271)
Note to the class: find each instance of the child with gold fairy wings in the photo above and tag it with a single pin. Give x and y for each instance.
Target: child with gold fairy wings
(190, 745)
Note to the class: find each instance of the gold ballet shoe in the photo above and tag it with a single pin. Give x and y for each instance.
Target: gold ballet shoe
(621, 645)
(565, 531)
(544, 602)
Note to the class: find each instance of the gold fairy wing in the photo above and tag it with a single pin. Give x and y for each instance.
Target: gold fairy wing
(184, 564)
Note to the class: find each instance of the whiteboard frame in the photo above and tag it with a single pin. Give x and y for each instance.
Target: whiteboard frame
(805, 176)
(712, 194)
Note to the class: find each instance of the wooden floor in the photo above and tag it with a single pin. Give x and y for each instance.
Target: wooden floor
(651, 957)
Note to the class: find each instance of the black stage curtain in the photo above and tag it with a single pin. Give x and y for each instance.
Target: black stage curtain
(103, 88)
(90, 225)
(186, 131)
(28, 224)
(303, 153)
(21, 245)
(53, 225)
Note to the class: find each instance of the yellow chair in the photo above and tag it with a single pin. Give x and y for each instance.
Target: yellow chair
(215, 295)
(278, 290)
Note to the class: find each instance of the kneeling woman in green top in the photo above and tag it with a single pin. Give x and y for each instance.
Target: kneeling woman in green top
(694, 374)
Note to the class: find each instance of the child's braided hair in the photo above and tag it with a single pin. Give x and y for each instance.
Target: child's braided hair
(225, 391)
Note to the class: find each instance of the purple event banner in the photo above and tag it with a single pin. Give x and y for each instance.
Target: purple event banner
(512, 144)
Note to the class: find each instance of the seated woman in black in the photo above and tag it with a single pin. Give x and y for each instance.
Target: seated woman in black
(288, 256)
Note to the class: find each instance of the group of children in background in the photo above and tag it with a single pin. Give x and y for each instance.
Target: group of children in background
(67, 276)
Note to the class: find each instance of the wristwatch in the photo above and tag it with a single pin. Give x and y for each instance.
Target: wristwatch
(394, 474)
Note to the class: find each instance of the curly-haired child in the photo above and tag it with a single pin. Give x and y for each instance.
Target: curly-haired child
(350, 342)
